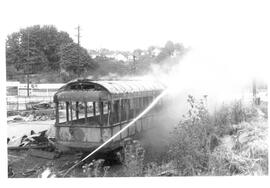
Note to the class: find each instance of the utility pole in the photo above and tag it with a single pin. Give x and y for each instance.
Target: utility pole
(61, 59)
(256, 99)
(79, 36)
(27, 65)
(133, 65)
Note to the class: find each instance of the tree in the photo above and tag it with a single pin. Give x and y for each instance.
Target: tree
(70, 53)
(36, 45)
(170, 50)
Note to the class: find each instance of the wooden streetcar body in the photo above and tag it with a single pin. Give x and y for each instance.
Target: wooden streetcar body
(97, 110)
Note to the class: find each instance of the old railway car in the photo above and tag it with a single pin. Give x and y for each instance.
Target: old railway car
(90, 112)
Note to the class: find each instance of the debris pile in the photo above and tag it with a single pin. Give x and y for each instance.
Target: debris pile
(42, 105)
(40, 163)
(34, 140)
(34, 115)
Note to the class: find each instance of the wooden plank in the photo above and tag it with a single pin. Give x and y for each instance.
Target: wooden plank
(42, 154)
(27, 147)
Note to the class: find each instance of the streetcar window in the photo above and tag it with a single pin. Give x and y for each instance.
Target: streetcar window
(62, 112)
(124, 109)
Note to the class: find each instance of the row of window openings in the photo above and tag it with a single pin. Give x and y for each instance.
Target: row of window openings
(103, 113)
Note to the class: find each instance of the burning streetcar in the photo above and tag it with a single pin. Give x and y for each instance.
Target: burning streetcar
(90, 112)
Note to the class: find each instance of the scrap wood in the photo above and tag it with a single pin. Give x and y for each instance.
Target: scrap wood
(167, 173)
(29, 172)
(13, 158)
(25, 140)
(42, 154)
(28, 147)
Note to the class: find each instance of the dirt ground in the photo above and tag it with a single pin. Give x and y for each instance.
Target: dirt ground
(20, 128)
(24, 165)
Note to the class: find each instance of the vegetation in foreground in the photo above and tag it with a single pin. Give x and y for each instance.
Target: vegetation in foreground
(231, 141)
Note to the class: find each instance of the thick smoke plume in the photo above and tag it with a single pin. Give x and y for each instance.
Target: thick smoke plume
(199, 76)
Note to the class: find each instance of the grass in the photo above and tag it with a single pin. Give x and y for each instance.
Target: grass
(231, 141)
(245, 154)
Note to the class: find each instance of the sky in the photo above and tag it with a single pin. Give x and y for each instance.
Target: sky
(232, 34)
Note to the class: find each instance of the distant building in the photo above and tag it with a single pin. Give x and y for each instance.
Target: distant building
(39, 89)
(12, 88)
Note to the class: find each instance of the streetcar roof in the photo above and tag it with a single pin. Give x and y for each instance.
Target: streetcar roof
(89, 90)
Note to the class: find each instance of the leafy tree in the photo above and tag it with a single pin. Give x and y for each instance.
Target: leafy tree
(75, 59)
(170, 50)
(108, 66)
(41, 48)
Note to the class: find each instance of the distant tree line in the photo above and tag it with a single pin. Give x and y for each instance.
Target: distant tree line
(37, 49)
(49, 55)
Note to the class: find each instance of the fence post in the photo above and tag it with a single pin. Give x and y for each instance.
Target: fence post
(25, 103)
(17, 102)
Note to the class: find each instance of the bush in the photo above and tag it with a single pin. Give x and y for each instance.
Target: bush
(134, 159)
(230, 114)
(190, 144)
(196, 148)
(264, 108)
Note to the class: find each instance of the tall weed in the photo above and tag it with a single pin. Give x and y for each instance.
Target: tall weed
(196, 140)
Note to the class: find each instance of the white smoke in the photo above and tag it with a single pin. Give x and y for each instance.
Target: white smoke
(197, 74)
(200, 75)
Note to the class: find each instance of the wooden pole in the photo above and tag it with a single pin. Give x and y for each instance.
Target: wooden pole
(94, 108)
(27, 69)
(120, 114)
(112, 116)
(128, 109)
(77, 110)
(100, 105)
(71, 115)
(134, 107)
(85, 111)
(109, 113)
(120, 111)
(57, 113)
(67, 111)
(100, 112)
